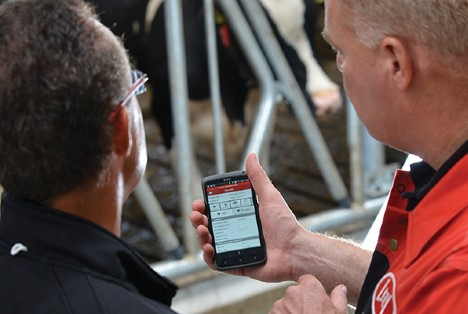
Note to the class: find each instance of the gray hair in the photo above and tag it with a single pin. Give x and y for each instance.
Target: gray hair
(440, 25)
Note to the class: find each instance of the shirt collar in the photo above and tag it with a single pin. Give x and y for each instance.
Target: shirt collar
(425, 177)
(433, 212)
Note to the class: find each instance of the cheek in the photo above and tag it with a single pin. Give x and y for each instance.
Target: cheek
(140, 142)
(136, 165)
(357, 90)
(364, 96)
(370, 93)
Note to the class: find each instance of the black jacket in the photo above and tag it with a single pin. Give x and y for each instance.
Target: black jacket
(53, 262)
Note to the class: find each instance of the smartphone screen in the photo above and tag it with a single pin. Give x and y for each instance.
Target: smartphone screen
(233, 220)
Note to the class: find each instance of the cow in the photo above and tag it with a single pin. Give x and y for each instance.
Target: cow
(236, 78)
(126, 18)
(296, 22)
(141, 24)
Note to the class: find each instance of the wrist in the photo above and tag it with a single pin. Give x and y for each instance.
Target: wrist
(300, 256)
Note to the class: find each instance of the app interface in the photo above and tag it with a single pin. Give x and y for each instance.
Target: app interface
(233, 216)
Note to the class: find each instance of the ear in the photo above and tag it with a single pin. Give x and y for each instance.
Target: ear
(121, 133)
(399, 61)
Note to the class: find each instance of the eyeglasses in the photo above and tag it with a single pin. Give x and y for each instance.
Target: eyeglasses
(138, 87)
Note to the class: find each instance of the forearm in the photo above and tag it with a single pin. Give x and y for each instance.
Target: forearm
(333, 261)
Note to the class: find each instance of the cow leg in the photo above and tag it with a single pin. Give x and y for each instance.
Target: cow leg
(291, 17)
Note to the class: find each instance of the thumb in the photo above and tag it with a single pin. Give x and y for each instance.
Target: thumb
(339, 299)
(257, 175)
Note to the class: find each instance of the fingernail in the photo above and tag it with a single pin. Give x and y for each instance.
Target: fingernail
(253, 156)
(344, 289)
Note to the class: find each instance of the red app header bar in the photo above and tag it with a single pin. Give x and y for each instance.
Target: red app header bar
(228, 188)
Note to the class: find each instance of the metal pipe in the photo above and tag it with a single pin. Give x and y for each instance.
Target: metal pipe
(262, 71)
(340, 217)
(214, 84)
(373, 152)
(325, 221)
(157, 219)
(179, 93)
(354, 127)
(190, 265)
(291, 89)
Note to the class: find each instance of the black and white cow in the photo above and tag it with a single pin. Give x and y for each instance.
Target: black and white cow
(142, 25)
(235, 74)
(149, 49)
(297, 24)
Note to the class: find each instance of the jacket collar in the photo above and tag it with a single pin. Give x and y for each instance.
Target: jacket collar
(55, 235)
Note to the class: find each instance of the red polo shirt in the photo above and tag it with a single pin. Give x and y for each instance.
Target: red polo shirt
(425, 249)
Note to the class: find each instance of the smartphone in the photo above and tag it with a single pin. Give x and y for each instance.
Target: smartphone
(233, 220)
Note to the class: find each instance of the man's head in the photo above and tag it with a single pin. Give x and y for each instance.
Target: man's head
(61, 72)
(401, 61)
(441, 26)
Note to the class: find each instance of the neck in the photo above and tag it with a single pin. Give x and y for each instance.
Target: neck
(99, 204)
(440, 119)
(439, 152)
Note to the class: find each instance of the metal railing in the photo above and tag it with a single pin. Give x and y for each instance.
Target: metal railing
(275, 80)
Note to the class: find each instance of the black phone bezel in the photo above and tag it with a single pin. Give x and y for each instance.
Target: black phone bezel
(237, 258)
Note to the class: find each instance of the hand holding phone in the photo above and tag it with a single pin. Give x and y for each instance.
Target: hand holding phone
(233, 220)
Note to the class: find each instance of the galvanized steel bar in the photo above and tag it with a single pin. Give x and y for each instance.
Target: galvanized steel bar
(325, 221)
(373, 152)
(262, 71)
(291, 90)
(354, 131)
(214, 84)
(157, 219)
(179, 93)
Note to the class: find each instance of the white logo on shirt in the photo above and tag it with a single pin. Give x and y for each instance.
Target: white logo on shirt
(383, 299)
